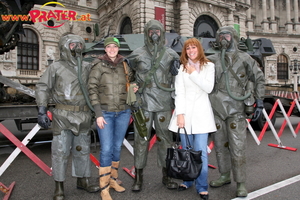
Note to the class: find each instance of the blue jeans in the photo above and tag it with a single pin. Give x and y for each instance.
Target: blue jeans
(112, 136)
(198, 142)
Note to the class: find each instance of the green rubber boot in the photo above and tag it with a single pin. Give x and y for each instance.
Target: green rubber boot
(59, 191)
(223, 179)
(167, 181)
(138, 181)
(241, 190)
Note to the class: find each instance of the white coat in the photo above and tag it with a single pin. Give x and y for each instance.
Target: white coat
(191, 99)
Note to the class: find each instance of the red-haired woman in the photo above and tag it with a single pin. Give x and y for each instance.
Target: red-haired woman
(193, 111)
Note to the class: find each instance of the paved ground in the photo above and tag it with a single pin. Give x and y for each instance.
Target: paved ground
(273, 173)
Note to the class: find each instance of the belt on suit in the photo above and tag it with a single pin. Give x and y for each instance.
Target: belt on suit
(71, 108)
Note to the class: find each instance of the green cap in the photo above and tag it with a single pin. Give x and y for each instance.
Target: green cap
(111, 40)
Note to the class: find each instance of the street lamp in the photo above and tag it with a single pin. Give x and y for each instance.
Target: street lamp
(295, 68)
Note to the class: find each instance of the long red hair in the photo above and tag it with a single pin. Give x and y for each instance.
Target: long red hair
(201, 56)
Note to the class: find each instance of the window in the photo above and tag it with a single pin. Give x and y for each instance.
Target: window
(282, 67)
(205, 26)
(126, 27)
(28, 51)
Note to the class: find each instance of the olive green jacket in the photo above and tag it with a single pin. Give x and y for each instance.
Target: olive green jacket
(107, 84)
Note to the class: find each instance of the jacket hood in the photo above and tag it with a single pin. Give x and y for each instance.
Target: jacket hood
(65, 52)
(118, 59)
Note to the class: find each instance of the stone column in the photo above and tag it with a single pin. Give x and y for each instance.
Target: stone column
(273, 21)
(249, 19)
(184, 18)
(265, 22)
(230, 20)
(296, 17)
(288, 24)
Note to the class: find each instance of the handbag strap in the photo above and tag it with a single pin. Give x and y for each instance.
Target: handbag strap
(188, 144)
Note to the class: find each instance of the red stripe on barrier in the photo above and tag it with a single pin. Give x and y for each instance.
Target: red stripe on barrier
(263, 131)
(212, 166)
(131, 171)
(25, 150)
(94, 160)
(211, 145)
(152, 142)
(284, 122)
(298, 128)
(283, 147)
(7, 190)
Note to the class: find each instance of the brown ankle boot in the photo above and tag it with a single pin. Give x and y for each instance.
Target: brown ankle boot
(114, 177)
(104, 179)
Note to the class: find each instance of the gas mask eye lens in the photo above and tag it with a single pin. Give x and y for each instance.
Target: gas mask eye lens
(75, 48)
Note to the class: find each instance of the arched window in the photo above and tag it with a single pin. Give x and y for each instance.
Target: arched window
(205, 26)
(28, 51)
(126, 27)
(282, 67)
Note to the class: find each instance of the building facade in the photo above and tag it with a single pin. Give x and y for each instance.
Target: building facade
(277, 20)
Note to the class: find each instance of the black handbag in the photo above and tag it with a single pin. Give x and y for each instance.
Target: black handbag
(184, 164)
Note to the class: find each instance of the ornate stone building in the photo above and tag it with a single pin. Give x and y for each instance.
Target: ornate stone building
(277, 20)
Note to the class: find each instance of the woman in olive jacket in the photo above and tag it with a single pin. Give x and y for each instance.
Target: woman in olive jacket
(108, 85)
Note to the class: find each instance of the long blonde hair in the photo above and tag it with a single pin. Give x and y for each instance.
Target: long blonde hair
(201, 56)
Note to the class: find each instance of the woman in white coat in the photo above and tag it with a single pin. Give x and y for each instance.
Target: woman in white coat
(193, 111)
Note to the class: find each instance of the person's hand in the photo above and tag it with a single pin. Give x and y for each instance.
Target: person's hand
(180, 121)
(190, 68)
(135, 88)
(258, 109)
(43, 119)
(100, 122)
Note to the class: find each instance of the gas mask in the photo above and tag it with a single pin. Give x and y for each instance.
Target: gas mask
(76, 48)
(225, 40)
(154, 35)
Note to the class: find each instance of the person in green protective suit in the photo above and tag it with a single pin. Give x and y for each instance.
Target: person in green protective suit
(71, 116)
(239, 83)
(155, 70)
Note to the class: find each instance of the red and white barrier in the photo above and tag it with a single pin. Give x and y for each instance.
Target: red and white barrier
(252, 132)
(269, 123)
(131, 171)
(22, 147)
(7, 190)
(286, 94)
(16, 152)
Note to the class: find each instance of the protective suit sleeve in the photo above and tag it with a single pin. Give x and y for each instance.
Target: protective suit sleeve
(258, 78)
(133, 59)
(44, 86)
